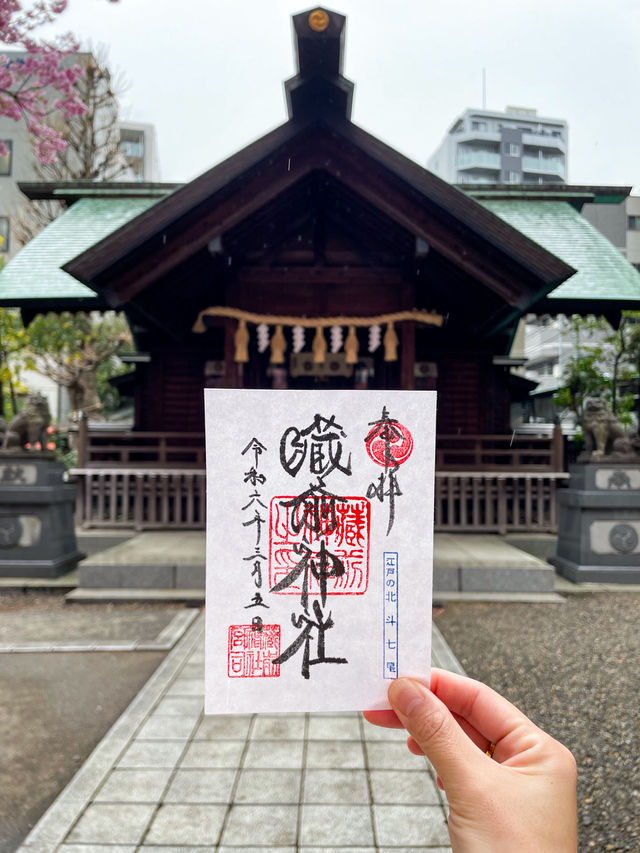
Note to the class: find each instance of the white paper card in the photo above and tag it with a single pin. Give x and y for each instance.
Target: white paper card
(319, 547)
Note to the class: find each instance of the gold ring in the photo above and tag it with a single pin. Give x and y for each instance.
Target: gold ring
(490, 750)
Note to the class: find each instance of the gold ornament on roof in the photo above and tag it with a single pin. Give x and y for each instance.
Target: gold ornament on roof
(318, 20)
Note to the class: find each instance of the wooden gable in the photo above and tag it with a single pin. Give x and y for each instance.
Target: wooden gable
(318, 219)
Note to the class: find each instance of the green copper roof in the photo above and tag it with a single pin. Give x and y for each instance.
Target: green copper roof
(34, 273)
(602, 272)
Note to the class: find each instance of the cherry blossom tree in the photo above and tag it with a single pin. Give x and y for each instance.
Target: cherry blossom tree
(38, 85)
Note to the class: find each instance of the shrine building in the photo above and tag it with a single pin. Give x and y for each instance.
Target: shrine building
(319, 257)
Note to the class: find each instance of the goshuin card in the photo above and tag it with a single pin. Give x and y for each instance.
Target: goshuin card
(319, 547)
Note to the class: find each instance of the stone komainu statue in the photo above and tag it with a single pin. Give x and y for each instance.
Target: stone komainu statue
(604, 435)
(29, 426)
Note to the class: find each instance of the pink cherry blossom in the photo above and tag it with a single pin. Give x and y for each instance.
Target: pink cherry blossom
(31, 86)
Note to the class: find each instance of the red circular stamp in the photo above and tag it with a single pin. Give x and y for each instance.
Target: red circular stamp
(389, 442)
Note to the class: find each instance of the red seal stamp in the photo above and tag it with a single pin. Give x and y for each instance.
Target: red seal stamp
(338, 525)
(251, 652)
(389, 443)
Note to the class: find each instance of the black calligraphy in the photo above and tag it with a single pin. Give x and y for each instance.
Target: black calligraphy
(314, 513)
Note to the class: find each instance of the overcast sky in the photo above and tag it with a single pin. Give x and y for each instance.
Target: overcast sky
(209, 73)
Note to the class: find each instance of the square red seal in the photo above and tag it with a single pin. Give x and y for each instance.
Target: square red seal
(252, 651)
(342, 525)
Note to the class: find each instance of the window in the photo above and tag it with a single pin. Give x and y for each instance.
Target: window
(478, 125)
(513, 178)
(512, 149)
(4, 233)
(633, 223)
(5, 159)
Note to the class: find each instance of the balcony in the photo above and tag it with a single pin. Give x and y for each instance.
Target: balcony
(545, 140)
(477, 159)
(544, 165)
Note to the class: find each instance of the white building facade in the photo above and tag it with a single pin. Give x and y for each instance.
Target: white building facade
(512, 147)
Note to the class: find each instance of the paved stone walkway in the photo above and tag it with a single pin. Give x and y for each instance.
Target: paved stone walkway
(166, 779)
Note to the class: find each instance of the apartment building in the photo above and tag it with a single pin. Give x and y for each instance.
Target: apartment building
(516, 146)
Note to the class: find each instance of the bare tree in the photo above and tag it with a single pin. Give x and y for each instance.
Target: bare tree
(93, 143)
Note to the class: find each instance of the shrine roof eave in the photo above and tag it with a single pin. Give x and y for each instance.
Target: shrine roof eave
(98, 266)
(575, 194)
(604, 281)
(33, 279)
(72, 191)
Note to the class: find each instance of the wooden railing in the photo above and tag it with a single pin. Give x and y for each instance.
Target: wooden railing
(485, 483)
(141, 499)
(108, 448)
(473, 501)
(495, 452)
(186, 449)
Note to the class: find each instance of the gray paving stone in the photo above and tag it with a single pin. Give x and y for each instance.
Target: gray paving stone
(227, 849)
(219, 753)
(337, 849)
(278, 727)
(187, 687)
(155, 848)
(97, 848)
(516, 579)
(114, 576)
(323, 754)
(269, 786)
(261, 826)
(192, 670)
(190, 577)
(377, 733)
(336, 825)
(333, 728)
(150, 754)
(393, 756)
(392, 786)
(410, 825)
(413, 849)
(133, 786)
(286, 754)
(180, 705)
(214, 728)
(186, 824)
(336, 786)
(166, 726)
(201, 786)
(116, 824)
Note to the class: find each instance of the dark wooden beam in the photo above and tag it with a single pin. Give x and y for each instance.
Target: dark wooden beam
(443, 233)
(260, 186)
(319, 275)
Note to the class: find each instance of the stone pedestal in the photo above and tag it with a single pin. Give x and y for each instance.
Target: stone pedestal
(599, 523)
(37, 537)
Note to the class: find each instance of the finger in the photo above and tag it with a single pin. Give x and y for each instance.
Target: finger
(472, 733)
(388, 719)
(490, 714)
(414, 746)
(480, 740)
(436, 731)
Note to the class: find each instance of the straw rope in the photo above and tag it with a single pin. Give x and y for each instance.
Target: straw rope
(430, 318)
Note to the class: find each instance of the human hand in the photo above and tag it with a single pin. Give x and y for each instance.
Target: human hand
(522, 799)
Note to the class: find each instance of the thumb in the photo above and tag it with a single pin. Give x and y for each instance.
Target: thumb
(435, 729)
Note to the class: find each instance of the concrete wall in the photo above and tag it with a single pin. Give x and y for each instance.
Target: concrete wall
(610, 220)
